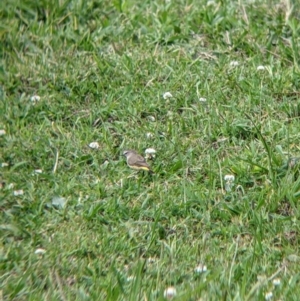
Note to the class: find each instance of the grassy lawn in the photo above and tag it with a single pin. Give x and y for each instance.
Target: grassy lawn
(219, 218)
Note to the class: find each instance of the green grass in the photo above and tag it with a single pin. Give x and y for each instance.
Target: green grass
(101, 69)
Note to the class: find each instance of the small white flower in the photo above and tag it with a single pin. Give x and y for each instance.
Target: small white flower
(151, 118)
(35, 98)
(167, 95)
(276, 281)
(268, 296)
(233, 63)
(170, 292)
(201, 268)
(4, 164)
(38, 171)
(260, 68)
(18, 192)
(94, 145)
(2, 132)
(202, 99)
(229, 178)
(149, 135)
(150, 153)
(40, 251)
(130, 278)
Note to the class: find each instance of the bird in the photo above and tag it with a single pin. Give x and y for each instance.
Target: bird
(136, 161)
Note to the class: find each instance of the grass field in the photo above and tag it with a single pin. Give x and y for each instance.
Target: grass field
(219, 219)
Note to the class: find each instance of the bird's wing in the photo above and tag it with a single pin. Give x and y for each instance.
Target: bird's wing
(140, 158)
(141, 163)
(138, 161)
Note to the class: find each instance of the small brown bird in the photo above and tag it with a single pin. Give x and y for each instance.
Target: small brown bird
(136, 161)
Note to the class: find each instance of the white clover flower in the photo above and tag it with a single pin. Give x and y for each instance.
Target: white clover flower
(276, 282)
(201, 268)
(2, 132)
(260, 68)
(167, 95)
(18, 192)
(94, 145)
(268, 296)
(229, 178)
(40, 251)
(150, 153)
(35, 98)
(170, 292)
(202, 99)
(233, 63)
(149, 135)
(4, 164)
